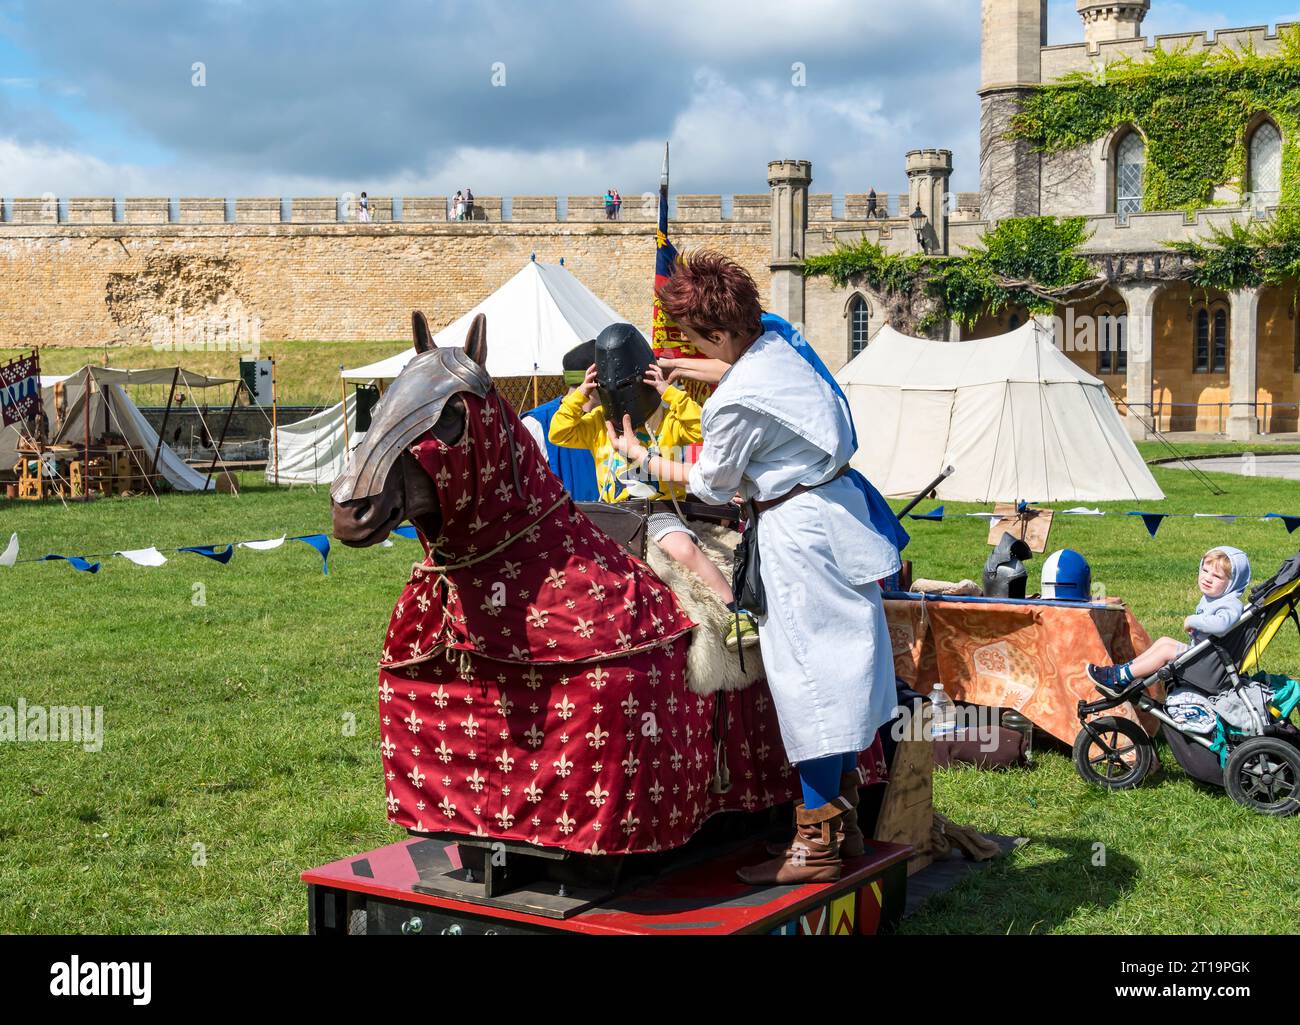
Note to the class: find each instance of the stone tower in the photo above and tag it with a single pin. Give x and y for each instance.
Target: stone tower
(1013, 35)
(928, 174)
(1111, 19)
(789, 181)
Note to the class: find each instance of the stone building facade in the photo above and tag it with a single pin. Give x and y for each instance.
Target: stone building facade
(1178, 358)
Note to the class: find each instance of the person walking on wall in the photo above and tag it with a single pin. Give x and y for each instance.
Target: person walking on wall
(469, 204)
(363, 209)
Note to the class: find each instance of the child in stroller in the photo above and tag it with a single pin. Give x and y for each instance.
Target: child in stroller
(1227, 724)
(1224, 577)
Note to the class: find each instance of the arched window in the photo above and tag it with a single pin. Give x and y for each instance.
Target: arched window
(1211, 351)
(1130, 163)
(1112, 345)
(1265, 167)
(859, 325)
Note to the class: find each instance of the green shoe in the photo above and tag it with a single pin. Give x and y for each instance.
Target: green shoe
(742, 633)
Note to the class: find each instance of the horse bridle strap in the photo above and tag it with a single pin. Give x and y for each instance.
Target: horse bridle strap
(410, 409)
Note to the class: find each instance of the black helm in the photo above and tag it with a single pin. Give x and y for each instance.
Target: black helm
(1005, 575)
(622, 358)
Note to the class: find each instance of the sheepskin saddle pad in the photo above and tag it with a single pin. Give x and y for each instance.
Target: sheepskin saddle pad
(710, 667)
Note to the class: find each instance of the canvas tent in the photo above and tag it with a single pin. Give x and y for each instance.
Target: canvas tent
(311, 451)
(1014, 416)
(533, 320)
(113, 412)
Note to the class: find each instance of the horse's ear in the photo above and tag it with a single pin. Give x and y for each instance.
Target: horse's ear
(420, 332)
(476, 341)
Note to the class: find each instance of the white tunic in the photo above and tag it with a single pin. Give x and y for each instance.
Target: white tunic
(773, 424)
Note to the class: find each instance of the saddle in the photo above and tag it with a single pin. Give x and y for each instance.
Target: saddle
(626, 522)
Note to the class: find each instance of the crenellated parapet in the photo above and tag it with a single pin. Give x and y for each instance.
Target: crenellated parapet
(748, 208)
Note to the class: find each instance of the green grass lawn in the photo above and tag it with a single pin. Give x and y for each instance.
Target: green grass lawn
(228, 767)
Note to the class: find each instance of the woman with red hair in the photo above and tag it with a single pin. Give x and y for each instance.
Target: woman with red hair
(778, 431)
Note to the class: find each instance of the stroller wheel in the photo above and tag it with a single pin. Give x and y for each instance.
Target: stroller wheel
(1122, 758)
(1263, 774)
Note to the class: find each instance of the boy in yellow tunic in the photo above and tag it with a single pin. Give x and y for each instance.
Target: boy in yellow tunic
(580, 423)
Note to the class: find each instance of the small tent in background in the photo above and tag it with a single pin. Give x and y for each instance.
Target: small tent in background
(532, 321)
(1013, 415)
(113, 413)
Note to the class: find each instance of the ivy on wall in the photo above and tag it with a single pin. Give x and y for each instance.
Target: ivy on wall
(1025, 261)
(1247, 255)
(1193, 108)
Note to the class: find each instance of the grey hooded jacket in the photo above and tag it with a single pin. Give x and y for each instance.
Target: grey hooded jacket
(1216, 616)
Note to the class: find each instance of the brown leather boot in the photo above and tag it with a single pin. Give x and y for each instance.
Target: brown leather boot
(852, 843)
(813, 857)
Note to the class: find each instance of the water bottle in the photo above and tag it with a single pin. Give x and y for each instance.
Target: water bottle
(943, 714)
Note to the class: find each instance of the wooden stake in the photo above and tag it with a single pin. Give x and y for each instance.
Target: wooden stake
(87, 392)
(153, 467)
(275, 438)
(343, 390)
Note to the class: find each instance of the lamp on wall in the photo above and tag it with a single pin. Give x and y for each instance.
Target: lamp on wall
(919, 223)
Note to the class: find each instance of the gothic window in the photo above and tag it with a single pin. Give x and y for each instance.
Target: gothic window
(1265, 167)
(859, 325)
(1130, 162)
(1112, 348)
(1211, 353)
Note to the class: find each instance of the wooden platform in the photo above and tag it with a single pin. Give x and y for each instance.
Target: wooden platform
(374, 892)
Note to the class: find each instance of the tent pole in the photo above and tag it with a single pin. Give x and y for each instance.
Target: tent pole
(535, 403)
(85, 420)
(275, 438)
(153, 467)
(216, 455)
(343, 391)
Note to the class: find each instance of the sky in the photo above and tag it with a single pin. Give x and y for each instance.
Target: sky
(510, 97)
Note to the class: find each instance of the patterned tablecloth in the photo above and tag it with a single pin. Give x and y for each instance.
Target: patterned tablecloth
(1030, 657)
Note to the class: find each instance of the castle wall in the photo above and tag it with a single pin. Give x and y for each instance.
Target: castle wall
(108, 283)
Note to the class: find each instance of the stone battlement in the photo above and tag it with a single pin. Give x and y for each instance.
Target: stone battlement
(1061, 60)
(209, 210)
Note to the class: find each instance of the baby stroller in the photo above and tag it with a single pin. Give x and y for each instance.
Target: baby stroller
(1225, 726)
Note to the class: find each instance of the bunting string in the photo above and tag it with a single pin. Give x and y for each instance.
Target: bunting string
(1151, 520)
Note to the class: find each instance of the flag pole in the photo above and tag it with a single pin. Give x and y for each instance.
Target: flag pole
(275, 436)
(343, 391)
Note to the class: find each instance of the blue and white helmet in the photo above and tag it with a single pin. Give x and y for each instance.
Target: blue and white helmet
(1067, 576)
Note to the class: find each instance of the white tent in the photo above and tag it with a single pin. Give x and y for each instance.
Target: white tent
(1014, 416)
(533, 320)
(112, 411)
(311, 451)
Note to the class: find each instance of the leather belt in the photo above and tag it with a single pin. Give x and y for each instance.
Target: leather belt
(798, 489)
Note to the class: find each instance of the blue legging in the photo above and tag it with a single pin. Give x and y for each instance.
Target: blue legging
(821, 778)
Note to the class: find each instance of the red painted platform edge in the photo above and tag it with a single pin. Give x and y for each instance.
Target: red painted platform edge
(791, 902)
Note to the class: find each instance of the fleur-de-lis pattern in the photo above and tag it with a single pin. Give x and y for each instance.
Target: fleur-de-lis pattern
(527, 712)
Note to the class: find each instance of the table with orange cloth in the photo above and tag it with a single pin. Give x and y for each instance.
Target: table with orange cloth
(1030, 656)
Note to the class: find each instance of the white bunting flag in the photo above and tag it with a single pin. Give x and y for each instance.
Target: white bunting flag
(263, 546)
(144, 557)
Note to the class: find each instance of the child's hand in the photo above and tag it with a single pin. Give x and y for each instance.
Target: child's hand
(1187, 625)
(588, 386)
(654, 377)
